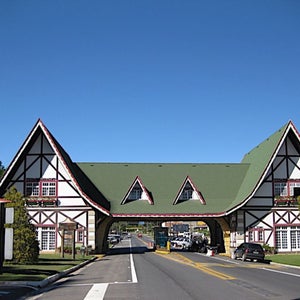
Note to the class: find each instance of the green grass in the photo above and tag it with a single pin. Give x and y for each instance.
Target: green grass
(287, 259)
(48, 264)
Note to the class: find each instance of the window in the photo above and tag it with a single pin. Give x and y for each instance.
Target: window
(41, 188)
(187, 192)
(47, 238)
(281, 238)
(32, 188)
(287, 188)
(288, 238)
(294, 186)
(135, 193)
(48, 188)
(280, 189)
(295, 237)
(251, 238)
(80, 236)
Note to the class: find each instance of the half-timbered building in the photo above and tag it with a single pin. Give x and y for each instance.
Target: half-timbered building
(255, 200)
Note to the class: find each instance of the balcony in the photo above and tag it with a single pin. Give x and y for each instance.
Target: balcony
(286, 201)
(41, 202)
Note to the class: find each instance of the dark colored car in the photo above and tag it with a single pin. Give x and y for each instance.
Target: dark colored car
(250, 251)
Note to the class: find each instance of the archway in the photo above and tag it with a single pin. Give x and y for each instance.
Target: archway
(219, 231)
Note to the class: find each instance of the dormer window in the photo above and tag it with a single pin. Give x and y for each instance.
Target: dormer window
(136, 193)
(188, 191)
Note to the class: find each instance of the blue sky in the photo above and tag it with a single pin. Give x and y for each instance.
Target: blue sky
(149, 81)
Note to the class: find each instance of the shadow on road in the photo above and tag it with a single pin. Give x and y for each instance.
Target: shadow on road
(128, 250)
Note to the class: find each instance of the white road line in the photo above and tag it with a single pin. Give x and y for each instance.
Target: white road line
(133, 272)
(97, 292)
(281, 272)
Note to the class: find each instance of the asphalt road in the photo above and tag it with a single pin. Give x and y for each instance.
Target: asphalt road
(131, 272)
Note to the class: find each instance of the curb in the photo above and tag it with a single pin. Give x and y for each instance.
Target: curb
(40, 284)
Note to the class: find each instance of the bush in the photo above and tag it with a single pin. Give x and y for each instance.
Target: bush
(25, 243)
(269, 249)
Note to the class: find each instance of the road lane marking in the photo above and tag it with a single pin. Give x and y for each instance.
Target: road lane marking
(133, 272)
(184, 260)
(281, 272)
(97, 291)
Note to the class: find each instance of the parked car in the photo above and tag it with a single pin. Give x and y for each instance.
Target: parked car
(181, 243)
(250, 251)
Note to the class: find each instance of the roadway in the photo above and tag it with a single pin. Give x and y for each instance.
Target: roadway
(130, 271)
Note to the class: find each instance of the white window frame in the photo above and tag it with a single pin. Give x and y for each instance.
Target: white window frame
(47, 238)
(48, 188)
(285, 188)
(41, 188)
(287, 238)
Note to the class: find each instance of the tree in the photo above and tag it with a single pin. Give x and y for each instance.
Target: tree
(2, 169)
(25, 243)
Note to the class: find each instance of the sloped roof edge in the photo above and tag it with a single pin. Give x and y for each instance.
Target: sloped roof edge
(260, 159)
(64, 158)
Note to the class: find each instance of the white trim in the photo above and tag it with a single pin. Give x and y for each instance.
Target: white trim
(283, 138)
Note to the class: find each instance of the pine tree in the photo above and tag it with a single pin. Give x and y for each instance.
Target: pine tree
(25, 243)
(2, 169)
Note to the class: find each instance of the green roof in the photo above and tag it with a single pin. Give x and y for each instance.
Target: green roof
(223, 186)
(218, 184)
(258, 160)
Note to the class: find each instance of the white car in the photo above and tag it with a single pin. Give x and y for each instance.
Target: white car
(181, 243)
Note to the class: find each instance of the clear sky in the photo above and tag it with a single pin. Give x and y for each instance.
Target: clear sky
(149, 80)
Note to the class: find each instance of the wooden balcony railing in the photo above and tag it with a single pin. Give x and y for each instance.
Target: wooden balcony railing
(286, 201)
(43, 202)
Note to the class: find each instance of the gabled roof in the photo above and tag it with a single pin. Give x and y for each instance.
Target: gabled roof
(225, 187)
(188, 182)
(138, 182)
(260, 159)
(85, 187)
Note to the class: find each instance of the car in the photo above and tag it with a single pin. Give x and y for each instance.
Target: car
(181, 243)
(112, 239)
(251, 251)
